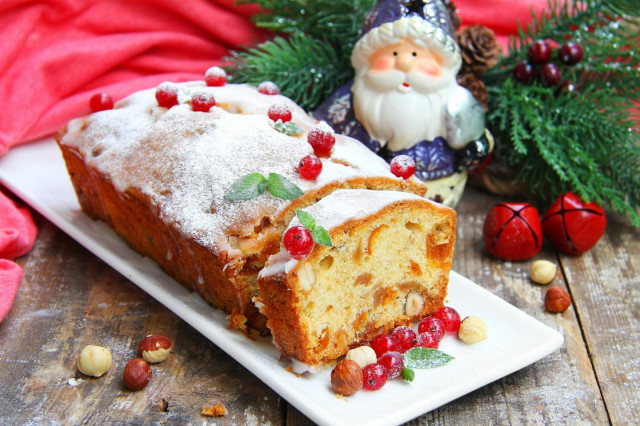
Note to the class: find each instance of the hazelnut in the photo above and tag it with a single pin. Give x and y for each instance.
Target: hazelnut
(415, 303)
(306, 276)
(94, 360)
(543, 271)
(346, 377)
(154, 348)
(557, 300)
(362, 355)
(472, 330)
(137, 374)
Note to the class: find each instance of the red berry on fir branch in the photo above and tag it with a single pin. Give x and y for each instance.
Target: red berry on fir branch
(384, 343)
(393, 362)
(573, 226)
(215, 76)
(322, 141)
(432, 325)
(268, 88)
(566, 88)
(202, 102)
(450, 318)
(167, 94)
(402, 166)
(298, 242)
(539, 52)
(570, 53)
(512, 231)
(551, 74)
(310, 167)
(405, 336)
(279, 112)
(374, 376)
(100, 102)
(523, 71)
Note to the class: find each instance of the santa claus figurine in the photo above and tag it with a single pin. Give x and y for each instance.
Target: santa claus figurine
(404, 98)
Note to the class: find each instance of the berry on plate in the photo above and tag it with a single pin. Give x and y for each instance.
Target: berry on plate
(449, 317)
(374, 376)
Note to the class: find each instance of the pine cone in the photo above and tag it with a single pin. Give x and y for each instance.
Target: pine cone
(476, 86)
(453, 14)
(479, 49)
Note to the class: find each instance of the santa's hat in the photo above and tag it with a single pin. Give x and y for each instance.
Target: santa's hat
(425, 22)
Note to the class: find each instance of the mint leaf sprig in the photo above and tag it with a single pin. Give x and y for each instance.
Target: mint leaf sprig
(320, 235)
(289, 128)
(422, 358)
(255, 184)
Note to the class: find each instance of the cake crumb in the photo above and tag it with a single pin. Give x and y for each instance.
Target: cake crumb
(216, 410)
(237, 321)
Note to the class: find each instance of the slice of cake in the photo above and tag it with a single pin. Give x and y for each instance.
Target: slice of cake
(158, 176)
(388, 265)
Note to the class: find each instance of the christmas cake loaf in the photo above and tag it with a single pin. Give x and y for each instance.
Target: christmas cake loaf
(388, 265)
(159, 177)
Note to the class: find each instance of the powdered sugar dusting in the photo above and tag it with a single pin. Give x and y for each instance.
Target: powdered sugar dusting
(186, 161)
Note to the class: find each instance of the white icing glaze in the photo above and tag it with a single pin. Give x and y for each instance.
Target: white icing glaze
(186, 161)
(333, 211)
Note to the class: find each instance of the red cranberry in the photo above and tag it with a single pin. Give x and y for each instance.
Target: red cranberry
(310, 167)
(405, 336)
(539, 52)
(572, 225)
(523, 71)
(551, 74)
(215, 76)
(393, 362)
(449, 317)
(374, 376)
(202, 102)
(167, 94)
(427, 340)
(570, 53)
(512, 231)
(566, 88)
(432, 325)
(322, 141)
(298, 241)
(403, 166)
(100, 102)
(268, 88)
(384, 343)
(279, 112)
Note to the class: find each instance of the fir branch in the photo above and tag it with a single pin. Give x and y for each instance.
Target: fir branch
(336, 22)
(303, 68)
(586, 143)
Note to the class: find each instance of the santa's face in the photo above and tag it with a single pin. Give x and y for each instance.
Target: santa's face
(398, 98)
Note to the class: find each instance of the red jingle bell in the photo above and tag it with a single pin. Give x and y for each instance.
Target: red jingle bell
(512, 231)
(572, 225)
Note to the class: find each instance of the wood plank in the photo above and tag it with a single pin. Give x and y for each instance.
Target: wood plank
(605, 287)
(561, 386)
(68, 299)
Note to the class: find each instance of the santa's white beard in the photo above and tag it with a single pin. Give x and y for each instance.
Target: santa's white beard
(400, 117)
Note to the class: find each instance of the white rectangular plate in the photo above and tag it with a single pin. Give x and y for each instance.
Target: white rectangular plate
(36, 172)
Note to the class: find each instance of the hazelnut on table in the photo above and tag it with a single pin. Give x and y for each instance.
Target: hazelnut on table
(94, 360)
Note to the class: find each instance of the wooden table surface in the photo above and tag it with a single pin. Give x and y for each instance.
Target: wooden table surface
(69, 298)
